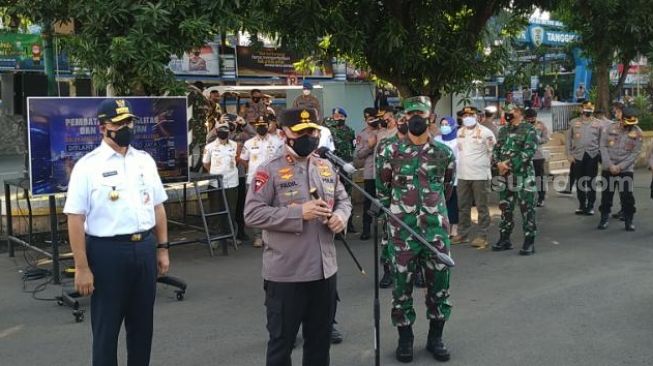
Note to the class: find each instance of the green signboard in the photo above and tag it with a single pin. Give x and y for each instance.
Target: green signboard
(24, 52)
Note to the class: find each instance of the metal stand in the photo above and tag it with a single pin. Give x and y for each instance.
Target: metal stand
(195, 179)
(54, 231)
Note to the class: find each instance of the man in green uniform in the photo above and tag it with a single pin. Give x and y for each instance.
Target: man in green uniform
(343, 140)
(412, 180)
(513, 159)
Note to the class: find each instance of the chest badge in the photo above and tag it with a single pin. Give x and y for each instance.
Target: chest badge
(286, 173)
(325, 171)
(114, 195)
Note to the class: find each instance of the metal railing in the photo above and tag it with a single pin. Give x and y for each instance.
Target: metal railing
(561, 113)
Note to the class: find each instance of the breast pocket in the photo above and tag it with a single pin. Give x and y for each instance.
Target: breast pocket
(105, 189)
(405, 195)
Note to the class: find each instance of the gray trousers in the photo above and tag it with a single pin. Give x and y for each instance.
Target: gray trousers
(470, 191)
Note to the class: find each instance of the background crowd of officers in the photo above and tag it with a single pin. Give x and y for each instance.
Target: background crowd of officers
(430, 171)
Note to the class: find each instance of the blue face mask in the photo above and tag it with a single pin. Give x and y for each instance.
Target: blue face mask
(446, 129)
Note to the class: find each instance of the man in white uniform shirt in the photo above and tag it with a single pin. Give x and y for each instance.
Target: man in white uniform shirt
(475, 143)
(115, 220)
(255, 151)
(220, 159)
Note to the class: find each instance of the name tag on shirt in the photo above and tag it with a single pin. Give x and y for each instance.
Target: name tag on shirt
(109, 174)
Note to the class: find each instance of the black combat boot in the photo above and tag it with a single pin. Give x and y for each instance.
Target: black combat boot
(434, 342)
(629, 223)
(404, 351)
(603, 224)
(386, 280)
(529, 246)
(503, 243)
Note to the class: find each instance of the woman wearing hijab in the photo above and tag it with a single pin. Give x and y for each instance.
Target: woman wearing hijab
(448, 131)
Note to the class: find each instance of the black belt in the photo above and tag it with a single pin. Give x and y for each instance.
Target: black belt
(135, 237)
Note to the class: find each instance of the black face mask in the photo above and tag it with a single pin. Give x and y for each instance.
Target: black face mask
(223, 135)
(122, 136)
(256, 99)
(303, 145)
(402, 128)
(374, 123)
(383, 123)
(417, 125)
(261, 130)
(587, 114)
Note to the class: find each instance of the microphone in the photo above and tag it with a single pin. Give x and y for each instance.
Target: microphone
(325, 153)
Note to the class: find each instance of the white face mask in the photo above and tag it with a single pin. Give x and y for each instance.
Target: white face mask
(469, 121)
(306, 92)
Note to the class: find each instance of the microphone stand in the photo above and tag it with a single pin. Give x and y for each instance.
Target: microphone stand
(375, 208)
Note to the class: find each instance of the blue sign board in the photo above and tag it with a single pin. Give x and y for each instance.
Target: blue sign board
(62, 130)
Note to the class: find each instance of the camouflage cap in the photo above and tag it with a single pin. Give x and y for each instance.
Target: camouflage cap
(420, 103)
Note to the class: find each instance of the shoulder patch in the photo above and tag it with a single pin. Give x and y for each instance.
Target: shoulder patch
(260, 179)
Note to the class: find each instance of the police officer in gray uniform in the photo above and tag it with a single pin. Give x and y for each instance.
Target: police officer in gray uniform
(582, 148)
(299, 255)
(115, 220)
(621, 143)
(366, 142)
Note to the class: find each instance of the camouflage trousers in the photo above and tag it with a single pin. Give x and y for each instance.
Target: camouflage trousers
(526, 198)
(406, 264)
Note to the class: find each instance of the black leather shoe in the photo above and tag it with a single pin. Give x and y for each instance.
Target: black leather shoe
(336, 336)
(603, 224)
(503, 244)
(580, 211)
(529, 246)
(629, 224)
(589, 212)
(365, 236)
(404, 352)
(434, 342)
(386, 280)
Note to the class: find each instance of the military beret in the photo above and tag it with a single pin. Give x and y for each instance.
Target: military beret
(297, 119)
(340, 110)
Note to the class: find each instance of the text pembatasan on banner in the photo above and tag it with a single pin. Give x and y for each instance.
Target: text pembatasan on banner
(62, 130)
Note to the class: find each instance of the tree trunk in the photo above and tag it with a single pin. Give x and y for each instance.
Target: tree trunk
(622, 80)
(602, 70)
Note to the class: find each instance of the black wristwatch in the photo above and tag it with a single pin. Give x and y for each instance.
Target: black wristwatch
(165, 245)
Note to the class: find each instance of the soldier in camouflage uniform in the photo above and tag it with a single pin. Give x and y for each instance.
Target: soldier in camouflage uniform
(343, 140)
(398, 134)
(513, 159)
(198, 122)
(412, 180)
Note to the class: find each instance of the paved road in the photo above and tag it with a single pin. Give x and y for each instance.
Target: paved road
(584, 299)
